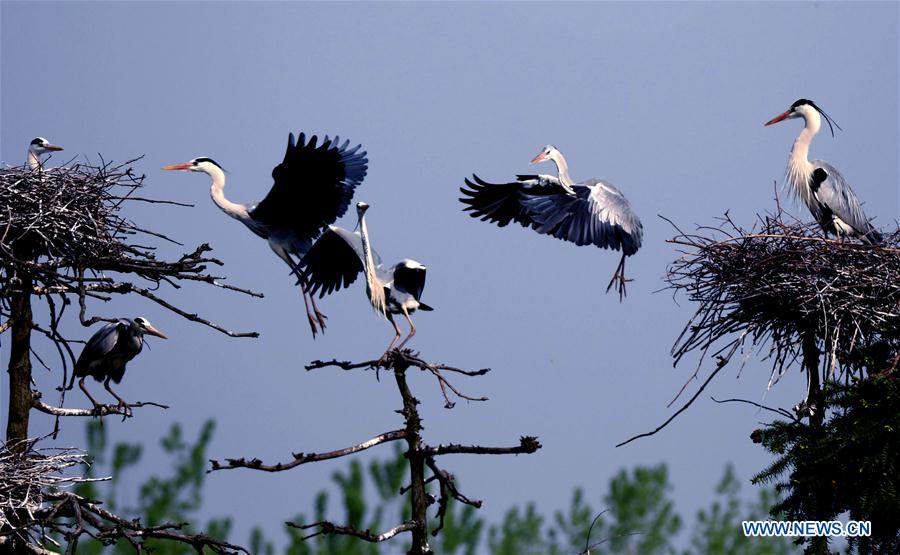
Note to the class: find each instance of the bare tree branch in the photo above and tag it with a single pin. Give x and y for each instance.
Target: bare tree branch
(326, 528)
(303, 458)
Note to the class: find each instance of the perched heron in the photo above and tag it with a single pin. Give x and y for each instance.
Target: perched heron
(108, 351)
(37, 148)
(313, 187)
(819, 185)
(591, 212)
(337, 258)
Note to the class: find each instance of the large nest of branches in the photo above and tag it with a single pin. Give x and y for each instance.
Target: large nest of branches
(62, 230)
(38, 511)
(780, 282)
(69, 214)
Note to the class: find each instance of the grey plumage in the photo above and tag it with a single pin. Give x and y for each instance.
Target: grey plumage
(109, 350)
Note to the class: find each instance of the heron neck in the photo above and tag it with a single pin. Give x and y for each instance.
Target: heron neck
(217, 192)
(562, 169)
(799, 168)
(374, 287)
(34, 161)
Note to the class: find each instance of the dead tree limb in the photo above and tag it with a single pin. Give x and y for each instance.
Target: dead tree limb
(303, 458)
(419, 454)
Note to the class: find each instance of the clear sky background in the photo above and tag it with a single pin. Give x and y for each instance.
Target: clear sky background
(665, 100)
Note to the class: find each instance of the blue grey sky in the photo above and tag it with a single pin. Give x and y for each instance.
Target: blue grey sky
(665, 100)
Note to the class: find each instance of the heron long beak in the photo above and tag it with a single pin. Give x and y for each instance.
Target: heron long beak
(539, 158)
(153, 331)
(184, 166)
(52, 147)
(776, 119)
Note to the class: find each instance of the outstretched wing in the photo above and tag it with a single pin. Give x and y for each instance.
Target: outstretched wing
(834, 193)
(598, 214)
(333, 262)
(99, 346)
(409, 276)
(313, 185)
(501, 203)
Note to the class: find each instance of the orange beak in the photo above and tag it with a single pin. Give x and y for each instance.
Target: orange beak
(539, 158)
(52, 147)
(153, 331)
(776, 119)
(184, 166)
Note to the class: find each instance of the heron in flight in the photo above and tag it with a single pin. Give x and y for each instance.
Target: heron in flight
(819, 185)
(108, 351)
(591, 212)
(313, 187)
(337, 258)
(37, 148)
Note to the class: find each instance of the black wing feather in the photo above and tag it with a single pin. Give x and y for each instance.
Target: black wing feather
(313, 185)
(501, 203)
(330, 265)
(411, 280)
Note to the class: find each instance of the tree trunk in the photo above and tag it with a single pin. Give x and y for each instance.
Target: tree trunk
(20, 366)
(416, 466)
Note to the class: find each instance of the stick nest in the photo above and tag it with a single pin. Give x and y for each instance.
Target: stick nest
(780, 280)
(62, 230)
(25, 476)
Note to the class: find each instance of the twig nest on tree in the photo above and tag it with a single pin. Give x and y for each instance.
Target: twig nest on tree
(67, 215)
(779, 281)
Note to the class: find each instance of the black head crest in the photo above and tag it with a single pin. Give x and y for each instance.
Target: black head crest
(828, 119)
(210, 160)
(37, 141)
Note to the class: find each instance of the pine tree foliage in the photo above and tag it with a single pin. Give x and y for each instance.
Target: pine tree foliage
(849, 467)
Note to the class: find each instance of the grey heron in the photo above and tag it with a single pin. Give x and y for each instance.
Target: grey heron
(337, 258)
(591, 212)
(818, 184)
(313, 187)
(108, 351)
(37, 148)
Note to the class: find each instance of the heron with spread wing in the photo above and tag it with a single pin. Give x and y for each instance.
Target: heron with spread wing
(338, 257)
(313, 187)
(591, 212)
(819, 185)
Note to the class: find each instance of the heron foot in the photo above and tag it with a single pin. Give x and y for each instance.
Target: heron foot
(313, 324)
(619, 280)
(321, 318)
(123, 408)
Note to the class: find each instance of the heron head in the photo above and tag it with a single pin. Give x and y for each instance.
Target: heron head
(548, 153)
(809, 111)
(202, 164)
(361, 207)
(145, 327)
(40, 145)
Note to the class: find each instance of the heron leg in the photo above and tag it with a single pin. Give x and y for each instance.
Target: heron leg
(412, 328)
(397, 334)
(122, 403)
(314, 321)
(618, 279)
(319, 316)
(83, 388)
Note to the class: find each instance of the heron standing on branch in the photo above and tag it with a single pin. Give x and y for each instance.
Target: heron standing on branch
(37, 148)
(313, 187)
(108, 351)
(819, 185)
(591, 212)
(337, 258)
